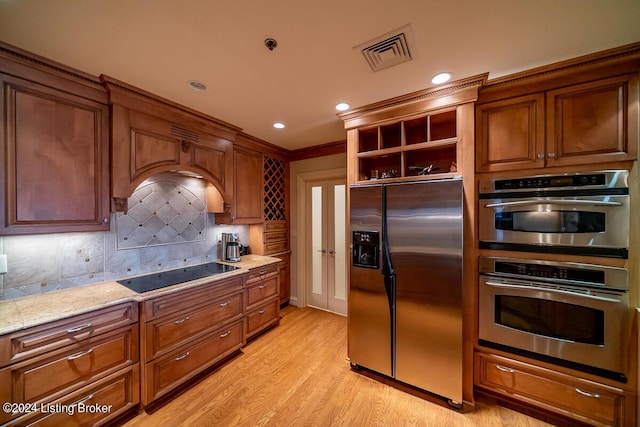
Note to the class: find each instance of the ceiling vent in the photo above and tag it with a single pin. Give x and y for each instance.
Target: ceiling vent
(390, 49)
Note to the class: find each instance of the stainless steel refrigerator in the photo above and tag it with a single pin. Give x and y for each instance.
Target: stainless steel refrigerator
(405, 287)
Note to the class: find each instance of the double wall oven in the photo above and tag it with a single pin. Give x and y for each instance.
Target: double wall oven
(569, 313)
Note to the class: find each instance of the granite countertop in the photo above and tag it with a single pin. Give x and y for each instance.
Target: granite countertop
(33, 310)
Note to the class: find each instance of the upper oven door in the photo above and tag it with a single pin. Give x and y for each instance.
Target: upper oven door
(593, 222)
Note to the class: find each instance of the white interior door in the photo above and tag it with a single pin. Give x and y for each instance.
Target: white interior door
(327, 251)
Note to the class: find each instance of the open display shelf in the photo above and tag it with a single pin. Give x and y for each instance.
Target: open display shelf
(421, 147)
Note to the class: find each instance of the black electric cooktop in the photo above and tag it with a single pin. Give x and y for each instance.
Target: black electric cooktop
(151, 282)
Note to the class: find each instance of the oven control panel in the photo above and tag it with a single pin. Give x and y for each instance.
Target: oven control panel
(569, 273)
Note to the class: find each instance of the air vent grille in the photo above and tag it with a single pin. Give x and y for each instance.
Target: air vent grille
(389, 49)
(183, 133)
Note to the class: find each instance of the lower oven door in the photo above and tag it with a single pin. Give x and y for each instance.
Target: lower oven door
(582, 326)
(593, 222)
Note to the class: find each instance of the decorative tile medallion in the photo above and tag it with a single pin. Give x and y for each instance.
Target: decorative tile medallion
(163, 210)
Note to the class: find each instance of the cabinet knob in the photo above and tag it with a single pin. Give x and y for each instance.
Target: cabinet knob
(540, 156)
(551, 155)
(105, 219)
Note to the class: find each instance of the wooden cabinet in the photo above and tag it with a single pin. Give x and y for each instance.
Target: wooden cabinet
(151, 135)
(73, 360)
(593, 122)
(54, 148)
(412, 137)
(284, 274)
(246, 204)
(415, 148)
(582, 400)
(262, 299)
(188, 331)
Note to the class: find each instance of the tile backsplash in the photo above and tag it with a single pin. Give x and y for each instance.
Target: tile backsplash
(187, 236)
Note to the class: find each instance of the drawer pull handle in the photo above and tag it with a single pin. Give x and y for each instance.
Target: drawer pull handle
(584, 393)
(225, 334)
(263, 311)
(79, 355)
(224, 304)
(182, 356)
(86, 399)
(79, 328)
(504, 369)
(177, 322)
(262, 273)
(262, 286)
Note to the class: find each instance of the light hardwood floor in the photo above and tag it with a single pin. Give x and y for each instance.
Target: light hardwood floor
(297, 375)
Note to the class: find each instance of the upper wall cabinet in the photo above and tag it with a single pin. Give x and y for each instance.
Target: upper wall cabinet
(412, 137)
(587, 113)
(246, 205)
(151, 135)
(54, 147)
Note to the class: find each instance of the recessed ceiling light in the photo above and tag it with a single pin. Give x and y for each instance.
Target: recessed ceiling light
(343, 106)
(440, 78)
(278, 125)
(197, 85)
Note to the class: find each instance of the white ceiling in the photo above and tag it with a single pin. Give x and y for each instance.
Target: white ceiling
(159, 45)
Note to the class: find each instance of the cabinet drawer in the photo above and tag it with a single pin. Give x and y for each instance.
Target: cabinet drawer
(276, 236)
(262, 317)
(275, 226)
(261, 291)
(165, 373)
(188, 298)
(41, 339)
(163, 334)
(112, 396)
(583, 400)
(276, 247)
(48, 378)
(257, 274)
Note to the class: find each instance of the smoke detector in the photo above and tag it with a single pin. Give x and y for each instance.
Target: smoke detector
(390, 49)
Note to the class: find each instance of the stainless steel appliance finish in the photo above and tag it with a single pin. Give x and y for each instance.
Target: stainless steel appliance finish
(405, 315)
(230, 247)
(580, 214)
(570, 313)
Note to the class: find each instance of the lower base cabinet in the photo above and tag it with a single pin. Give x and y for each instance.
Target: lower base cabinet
(586, 401)
(166, 373)
(80, 370)
(263, 299)
(188, 331)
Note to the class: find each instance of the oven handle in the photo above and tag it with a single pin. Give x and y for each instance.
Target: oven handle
(552, 202)
(560, 291)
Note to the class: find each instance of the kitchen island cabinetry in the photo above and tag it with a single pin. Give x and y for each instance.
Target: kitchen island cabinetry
(263, 300)
(570, 396)
(88, 359)
(571, 124)
(188, 331)
(54, 147)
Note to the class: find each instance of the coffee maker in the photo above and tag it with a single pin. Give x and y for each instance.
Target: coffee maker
(230, 247)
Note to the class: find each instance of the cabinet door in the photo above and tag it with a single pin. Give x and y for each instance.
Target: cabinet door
(510, 134)
(54, 149)
(593, 122)
(247, 197)
(152, 144)
(284, 271)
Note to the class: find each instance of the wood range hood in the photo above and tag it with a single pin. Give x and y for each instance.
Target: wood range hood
(151, 135)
